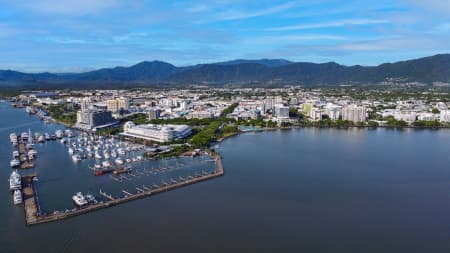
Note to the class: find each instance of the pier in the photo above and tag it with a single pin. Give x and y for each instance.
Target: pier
(33, 215)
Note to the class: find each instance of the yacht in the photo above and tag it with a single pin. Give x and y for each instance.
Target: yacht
(13, 137)
(14, 163)
(47, 136)
(59, 134)
(15, 153)
(98, 156)
(76, 157)
(113, 154)
(128, 160)
(97, 166)
(70, 151)
(32, 151)
(68, 133)
(15, 181)
(90, 199)
(63, 140)
(121, 151)
(41, 139)
(17, 197)
(24, 136)
(106, 164)
(106, 155)
(118, 161)
(79, 199)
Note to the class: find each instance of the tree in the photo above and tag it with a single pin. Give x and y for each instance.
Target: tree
(435, 111)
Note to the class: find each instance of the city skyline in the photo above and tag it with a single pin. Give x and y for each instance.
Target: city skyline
(69, 35)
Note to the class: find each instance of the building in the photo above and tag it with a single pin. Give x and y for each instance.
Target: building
(117, 104)
(333, 111)
(444, 116)
(200, 115)
(354, 113)
(154, 113)
(91, 118)
(316, 114)
(281, 111)
(158, 133)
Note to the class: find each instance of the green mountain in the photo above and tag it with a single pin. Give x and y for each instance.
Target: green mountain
(276, 71)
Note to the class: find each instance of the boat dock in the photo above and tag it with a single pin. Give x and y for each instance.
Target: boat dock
(33, 215)
(25, 162)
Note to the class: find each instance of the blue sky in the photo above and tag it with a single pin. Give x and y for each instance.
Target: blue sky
(79, 35)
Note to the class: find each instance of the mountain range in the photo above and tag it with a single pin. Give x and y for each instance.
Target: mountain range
(264, 71)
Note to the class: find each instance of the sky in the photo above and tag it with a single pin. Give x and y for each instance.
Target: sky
(81, 35)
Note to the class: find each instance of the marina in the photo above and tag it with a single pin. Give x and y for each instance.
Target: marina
(34, 216)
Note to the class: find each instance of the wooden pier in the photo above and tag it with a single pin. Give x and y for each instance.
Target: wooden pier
(34, 217)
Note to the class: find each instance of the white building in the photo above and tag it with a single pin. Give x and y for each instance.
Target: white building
(333, 111)
(281, 111)
(354, 113)
(153, 132)
(444, 116)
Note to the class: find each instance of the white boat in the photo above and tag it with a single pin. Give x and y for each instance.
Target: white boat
(90, 199)
(68, 133)
(106, 155)
(128, 160)
(14, 163)
(76, 157)
(113, 154)
(15, 181)
(15, 153)
(17, 197)
(41, 139)
(13, 137)
(30, 156)
(97, 166)
(63, 140)
(121, 151)
(98, 156)
(106, 164)
(70, 151)
(32, 151)
(79, 199)
(24, 136)
(59, 134)
(118, 161)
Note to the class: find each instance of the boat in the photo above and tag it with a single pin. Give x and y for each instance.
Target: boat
(41, 139)
(121, 151)
(79, 199)
(24, 136)
(17, 197)
(63, 140)
(90, 199)
(106, 164)
(76, 157)
(113, 154)
(59, 134)
(29, 110)
(15, 181)
(118, 161)
(99, 172)
(106, 155)
(13, 137)
(128, 160)
(32, 151)
(97, 166)
(98, 156)
(70, 150)
(47, 136)
(15, 153)
(122, 170)
(14, 163)
(68, 133)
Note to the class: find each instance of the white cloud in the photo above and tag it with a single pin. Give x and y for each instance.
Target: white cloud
(338, 23)
(234, 15)
(68, 7)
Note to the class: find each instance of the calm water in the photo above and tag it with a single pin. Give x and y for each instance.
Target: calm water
(303, 190)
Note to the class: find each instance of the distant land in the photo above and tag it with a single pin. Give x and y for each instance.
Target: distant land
(242, 72)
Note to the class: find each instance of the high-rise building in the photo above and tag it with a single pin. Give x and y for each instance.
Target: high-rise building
(117, 104)
(154, 113)
(281, 111)
(354, 113)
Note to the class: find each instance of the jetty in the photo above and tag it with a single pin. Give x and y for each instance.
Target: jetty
(34, 215)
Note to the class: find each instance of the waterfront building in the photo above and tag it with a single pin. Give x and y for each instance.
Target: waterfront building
(281, 111)
(333, 111)
(91, 118)
(354, 113)
(316, 114)
(154, 132)
(444, 116)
